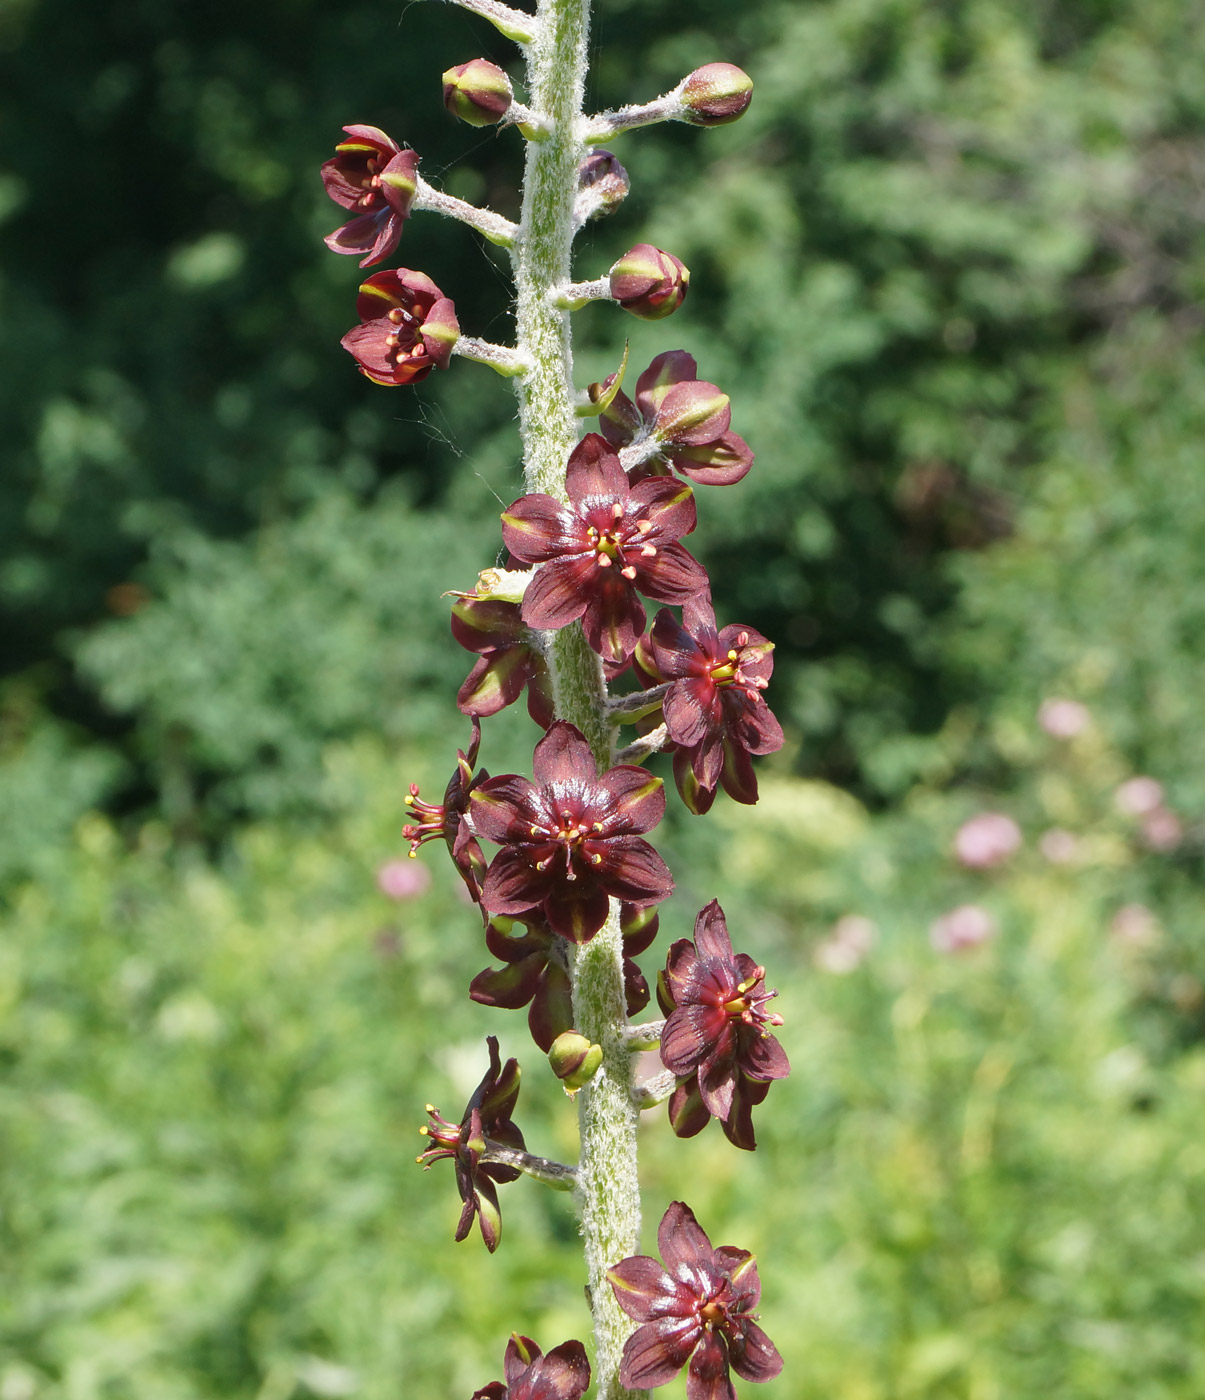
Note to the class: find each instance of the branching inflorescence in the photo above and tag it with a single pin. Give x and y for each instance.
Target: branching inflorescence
(569, 895)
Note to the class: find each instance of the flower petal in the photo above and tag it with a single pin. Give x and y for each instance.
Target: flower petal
(562, 756)
(505, 808)
(560, 592)
(496, 680)
(564, 1374)
(754, 1356)
(692, 710)
(637, 800)
(680, 1237)
(763, 1058)
(511, 885)
(575, 915)
(631, 869)
(642, 1288)
(594, 476)
(687, 1112)
(537, 527)
(711, 933)
(672, 575)
(655, 1353)
(707, 1378)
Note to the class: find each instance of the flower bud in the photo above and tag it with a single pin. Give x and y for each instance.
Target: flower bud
(649, 283)
(602, 186)
(574, 1060)
(715, 94)
(478, 92)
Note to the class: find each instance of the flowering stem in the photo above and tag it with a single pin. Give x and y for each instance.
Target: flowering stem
(608, 1186)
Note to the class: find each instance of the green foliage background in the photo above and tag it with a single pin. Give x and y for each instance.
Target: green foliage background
(950, 269)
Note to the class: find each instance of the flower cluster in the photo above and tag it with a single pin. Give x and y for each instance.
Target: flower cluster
(573, 883)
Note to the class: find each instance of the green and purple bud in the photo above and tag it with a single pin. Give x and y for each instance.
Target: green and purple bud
(478, 92)
(715, 94)
(574, 1060)
(602, 186)
(649, 283)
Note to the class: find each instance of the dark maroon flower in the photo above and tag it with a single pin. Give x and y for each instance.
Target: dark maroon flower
(535, 969)
(714, 711)
(447, 819)
(564, 1374)
(610, 540)
(698, 1309)
(649, 282)
(686, 418)
(718, 1030)
(509, 659)
(371, 174)
(408, 327)
(571, 839)
(486, 1122)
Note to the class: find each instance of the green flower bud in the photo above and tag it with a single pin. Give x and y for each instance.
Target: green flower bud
(574, 1060)
(478, 92)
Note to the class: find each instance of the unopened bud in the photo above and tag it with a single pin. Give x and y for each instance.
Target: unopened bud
(574, 1060)
(602, 186)
(715, 94)
(649, 283)
(478, 92)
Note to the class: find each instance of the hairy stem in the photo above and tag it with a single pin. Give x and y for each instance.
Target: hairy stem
(608, 1186)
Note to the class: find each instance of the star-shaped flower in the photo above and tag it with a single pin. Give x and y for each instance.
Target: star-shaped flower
(612, 540)
(486, 1121)
(697, 1311)
(372, 175)
(572, 838)
(408, 328)
(717, 1036)
(714, 711)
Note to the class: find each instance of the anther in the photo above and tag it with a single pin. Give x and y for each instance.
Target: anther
(629, 572)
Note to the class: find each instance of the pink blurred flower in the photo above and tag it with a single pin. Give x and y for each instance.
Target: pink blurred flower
(1137, 797)
(965, 927)
(1060, 847)
(1135, 925)
(850, 940)
(987, 839)
(403, 879)
(1162, 830)
(1063, 719)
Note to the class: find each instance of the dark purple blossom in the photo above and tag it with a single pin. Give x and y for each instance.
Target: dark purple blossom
(714, 711)
(447, 818)
(486, 1122)
(508, 660)
(407, 328)
(717, 1036)
(686, 417)
(611, 540)
(697, 1311)
(535, 970)
(371, 175)
(572, 838)
(564, 1374)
